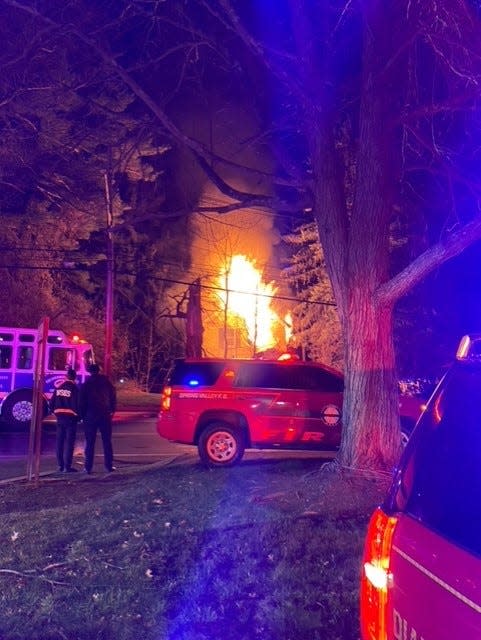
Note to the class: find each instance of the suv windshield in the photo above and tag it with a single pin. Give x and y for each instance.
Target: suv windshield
(440, 482)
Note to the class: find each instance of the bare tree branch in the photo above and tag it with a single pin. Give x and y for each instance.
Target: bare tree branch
(454, 244)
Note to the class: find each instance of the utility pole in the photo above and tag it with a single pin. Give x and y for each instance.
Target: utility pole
(34, 445)
(226, 311)
(194, 327)
(256, 319)
(109, 296)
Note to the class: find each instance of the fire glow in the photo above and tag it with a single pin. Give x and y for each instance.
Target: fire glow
(245, 295)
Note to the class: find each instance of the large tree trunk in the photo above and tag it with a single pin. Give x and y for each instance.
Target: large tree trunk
(359, 237)
(371, 434)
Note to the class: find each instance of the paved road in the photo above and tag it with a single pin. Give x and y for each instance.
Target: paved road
(135, 443)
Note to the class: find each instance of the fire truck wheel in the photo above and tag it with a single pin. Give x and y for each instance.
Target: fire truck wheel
(17, 408)
(221, 445)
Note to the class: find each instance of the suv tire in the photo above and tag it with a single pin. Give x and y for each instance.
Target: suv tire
(221, 445)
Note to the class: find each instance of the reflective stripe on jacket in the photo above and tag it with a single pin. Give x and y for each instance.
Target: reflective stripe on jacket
(65, 399)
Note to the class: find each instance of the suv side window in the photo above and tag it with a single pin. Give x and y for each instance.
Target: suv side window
(441, 475)
(286, 376)
(315, 379)
(199, 374)
(262, 375)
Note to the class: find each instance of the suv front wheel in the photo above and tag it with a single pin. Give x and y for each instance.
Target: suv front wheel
(221, 445)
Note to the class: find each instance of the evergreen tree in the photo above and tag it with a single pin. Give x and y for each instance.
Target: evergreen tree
(316, 328)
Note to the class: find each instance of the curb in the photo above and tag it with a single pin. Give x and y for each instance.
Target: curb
(169, 459)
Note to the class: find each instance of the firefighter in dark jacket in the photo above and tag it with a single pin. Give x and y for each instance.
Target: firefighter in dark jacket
(64, 404)
(97, 405)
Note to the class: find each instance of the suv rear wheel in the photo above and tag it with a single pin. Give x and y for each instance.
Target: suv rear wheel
(221, 445)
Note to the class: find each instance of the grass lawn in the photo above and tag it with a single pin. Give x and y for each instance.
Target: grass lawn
(128, 398)
(267, 550)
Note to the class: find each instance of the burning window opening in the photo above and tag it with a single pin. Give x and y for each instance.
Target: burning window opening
(244, 295)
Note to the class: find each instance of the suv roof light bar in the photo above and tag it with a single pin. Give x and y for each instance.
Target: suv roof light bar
(469, 348)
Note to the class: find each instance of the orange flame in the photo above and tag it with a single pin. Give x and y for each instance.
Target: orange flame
(248, 297)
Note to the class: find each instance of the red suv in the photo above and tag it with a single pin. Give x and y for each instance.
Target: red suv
(421, 576)
(226, 406)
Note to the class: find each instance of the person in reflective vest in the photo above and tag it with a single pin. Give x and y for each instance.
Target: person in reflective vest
(64, 404)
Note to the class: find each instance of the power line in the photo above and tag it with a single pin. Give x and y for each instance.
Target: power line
(198, 263)
(183, 282)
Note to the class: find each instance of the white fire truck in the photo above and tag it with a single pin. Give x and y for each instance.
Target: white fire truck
(18, 354)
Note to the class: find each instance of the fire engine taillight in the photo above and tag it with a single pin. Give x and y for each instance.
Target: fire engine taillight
(166, 397)
(376, 577)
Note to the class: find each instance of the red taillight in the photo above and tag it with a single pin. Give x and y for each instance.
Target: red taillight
(165, 400)
(376, 577)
